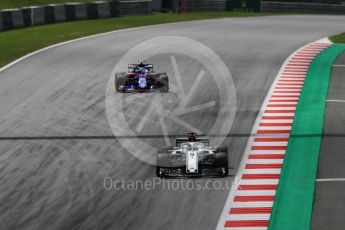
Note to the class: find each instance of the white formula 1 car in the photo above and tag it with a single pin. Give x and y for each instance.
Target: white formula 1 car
(192, 156)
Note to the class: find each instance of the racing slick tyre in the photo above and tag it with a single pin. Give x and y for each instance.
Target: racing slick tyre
(223, 149)
(164, 149)
(221, 162)
(163, 79)
(120, 82)
(161, 162)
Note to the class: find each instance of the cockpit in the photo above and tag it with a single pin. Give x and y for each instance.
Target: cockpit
(186, 146)
(197, 146)
(140, 70)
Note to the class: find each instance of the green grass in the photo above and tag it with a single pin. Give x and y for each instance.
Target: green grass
(339, 38)
(16, 43)
(310, 1)
(7, 4)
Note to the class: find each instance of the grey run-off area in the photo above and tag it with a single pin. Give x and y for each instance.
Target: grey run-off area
(58, 184)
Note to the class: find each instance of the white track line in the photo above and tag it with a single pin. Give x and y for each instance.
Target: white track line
(267, 152)
(335, 100)
(249, 217)
(330, 180)
(255, 192)
(260, 182)
(265, 161)
(248, 205)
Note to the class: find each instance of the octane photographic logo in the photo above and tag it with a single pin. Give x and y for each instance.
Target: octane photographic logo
(201, 98)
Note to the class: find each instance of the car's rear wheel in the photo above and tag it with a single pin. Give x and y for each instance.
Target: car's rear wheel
(222, 163)
(164, 149)
(163, 80)
(159, 173)
(223, 149)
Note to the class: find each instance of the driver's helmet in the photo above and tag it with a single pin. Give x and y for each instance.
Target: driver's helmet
(186, 147)
(192, 137)
(141, 64)
(140, 70)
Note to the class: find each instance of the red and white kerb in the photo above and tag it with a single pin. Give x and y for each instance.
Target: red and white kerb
(251, 198)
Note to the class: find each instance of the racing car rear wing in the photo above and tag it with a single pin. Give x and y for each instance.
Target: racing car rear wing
(181, 140)
(131, 67)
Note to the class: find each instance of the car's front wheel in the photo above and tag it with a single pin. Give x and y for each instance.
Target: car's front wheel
(120, 82)
(162, 160)
(159, 172)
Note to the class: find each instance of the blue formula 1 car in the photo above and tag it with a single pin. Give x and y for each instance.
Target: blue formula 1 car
(141, 78)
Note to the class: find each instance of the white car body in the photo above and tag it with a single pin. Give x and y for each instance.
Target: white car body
(192, 156)
(192, 151)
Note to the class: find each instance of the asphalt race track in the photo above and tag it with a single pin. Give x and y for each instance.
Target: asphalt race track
(329, 188)
(61, 148)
